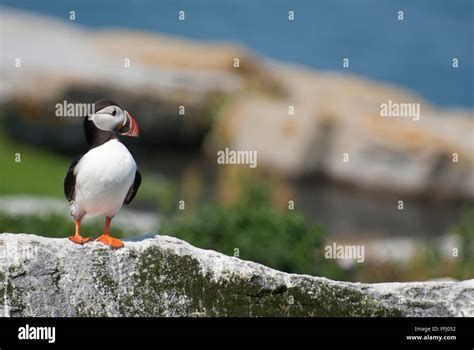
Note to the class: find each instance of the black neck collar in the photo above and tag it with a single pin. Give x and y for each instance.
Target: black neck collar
(95, 136)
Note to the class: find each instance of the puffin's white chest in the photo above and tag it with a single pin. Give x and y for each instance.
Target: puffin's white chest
(103, 177)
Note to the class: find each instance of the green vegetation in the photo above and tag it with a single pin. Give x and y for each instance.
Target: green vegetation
(37, 173)
(56, 226)
(465, 228)
(256, 231)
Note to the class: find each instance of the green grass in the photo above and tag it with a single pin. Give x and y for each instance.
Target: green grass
(38, 173)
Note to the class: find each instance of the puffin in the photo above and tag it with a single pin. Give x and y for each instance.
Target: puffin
(105, 177)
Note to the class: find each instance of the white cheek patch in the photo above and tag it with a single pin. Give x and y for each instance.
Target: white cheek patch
(105, 122)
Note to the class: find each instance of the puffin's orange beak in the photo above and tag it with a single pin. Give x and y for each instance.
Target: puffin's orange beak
(131, 127)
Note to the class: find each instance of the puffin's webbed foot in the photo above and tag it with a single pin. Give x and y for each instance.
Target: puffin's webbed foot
(79, 239)
(110, 241)
(106, 239)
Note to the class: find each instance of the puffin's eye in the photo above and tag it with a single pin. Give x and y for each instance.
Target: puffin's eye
(114, 112)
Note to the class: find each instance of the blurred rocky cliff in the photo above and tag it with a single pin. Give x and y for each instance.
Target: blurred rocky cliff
(301, 122)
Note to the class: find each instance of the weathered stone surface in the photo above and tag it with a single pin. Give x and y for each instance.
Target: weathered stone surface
(164, 276)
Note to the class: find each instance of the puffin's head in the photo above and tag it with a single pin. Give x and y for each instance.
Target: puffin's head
(109, 116)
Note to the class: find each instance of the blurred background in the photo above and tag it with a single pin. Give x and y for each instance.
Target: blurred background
(200, 76)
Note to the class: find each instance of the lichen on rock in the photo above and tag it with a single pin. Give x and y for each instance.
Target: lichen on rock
(164, 276)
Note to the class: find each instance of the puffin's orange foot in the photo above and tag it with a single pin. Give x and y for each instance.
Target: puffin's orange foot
(79, 239)
(110, 241)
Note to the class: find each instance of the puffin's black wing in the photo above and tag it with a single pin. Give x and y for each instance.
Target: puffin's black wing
(134, 188)
(70, 180)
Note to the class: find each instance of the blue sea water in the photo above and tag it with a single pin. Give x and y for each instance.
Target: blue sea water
(415, 53)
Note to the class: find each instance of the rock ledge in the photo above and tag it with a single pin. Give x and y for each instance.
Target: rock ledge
(164, 276)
